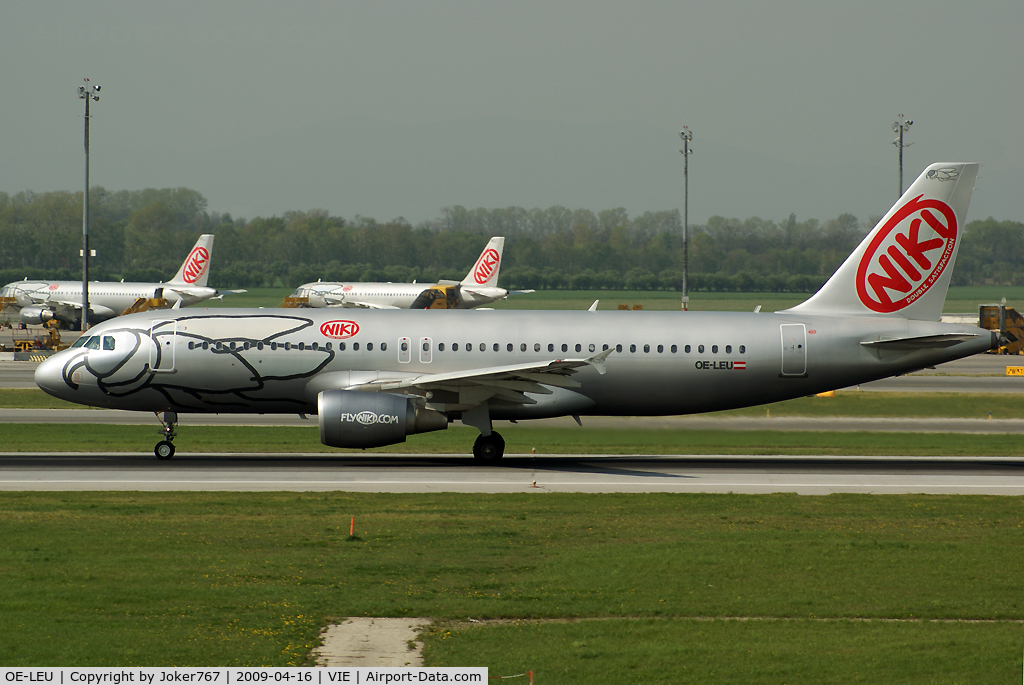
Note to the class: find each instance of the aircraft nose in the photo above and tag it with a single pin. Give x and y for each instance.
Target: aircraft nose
(50, 377)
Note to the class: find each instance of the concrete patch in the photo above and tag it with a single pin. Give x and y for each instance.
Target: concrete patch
(372, 642)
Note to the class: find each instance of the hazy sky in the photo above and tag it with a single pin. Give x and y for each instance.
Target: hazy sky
(397, 109)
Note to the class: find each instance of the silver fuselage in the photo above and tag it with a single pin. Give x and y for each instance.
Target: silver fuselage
(277, 361)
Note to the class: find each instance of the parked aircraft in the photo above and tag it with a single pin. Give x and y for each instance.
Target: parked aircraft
(480, 286)
(374, 377)
(42, 301)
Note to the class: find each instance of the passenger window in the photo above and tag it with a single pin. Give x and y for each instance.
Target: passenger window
(700, 348)
(509, 347)
(455, 347)
(536, 347)
(743, 348)
(579, 348)
(405, 346)
(440, 347)
(618, 348)
(108, 342)
(369, 347)
(522, 347)
(191, 345)
(714, 349)
(604, 347)
(302, 345)
(259, 346)
(355, 346)
(551, 348)
(686, 349)
(341, 347)
(384, 347)
(314, 346)
(647, 348)
(673, 349)
(632, 348)
(469, 347)
(288, 346)
(661, 348)
(497, 347)
(483, 347)
(426, 346)
(728, 349)
(593, 347)
(232, 346)
(565, 348)
(273, 346)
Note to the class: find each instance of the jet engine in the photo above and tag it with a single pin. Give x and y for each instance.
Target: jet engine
(350, 418)
(37, 314)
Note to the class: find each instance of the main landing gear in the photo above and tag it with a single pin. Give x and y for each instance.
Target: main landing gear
(489, 447)
(165, 448)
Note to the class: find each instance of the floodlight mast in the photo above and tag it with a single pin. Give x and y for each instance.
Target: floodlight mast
(86, 93)
(899, 127)
(687, 135)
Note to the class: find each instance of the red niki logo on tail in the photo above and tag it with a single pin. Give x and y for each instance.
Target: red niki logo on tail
(196, 264)
(906, 257)
(339, 330)
(486, 265)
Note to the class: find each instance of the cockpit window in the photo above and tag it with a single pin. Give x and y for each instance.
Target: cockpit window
(108, 342)
(81, 341)
(93, 343)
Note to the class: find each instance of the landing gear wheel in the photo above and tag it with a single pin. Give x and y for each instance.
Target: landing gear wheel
(164, 449)
(489, 448)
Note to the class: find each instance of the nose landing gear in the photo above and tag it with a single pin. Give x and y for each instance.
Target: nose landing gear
(165, 448)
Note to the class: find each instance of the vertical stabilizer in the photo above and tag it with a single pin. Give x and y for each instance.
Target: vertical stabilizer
(195, 270)
(902, 268)
(485, 271)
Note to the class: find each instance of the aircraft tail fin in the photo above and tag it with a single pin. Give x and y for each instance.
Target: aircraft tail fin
(195, 270)
(485, 271)
(903, 267)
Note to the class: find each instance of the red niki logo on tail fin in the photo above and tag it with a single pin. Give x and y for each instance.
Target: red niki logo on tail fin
(907, 255)
(486, 265)
(196, 264)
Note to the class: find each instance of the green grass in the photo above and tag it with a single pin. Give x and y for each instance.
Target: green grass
(679, 650)
(518, 439)
(121, 578)
(958, 300)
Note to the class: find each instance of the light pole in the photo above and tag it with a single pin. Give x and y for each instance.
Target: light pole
(86, 93)
(687, 135)
(899, 127)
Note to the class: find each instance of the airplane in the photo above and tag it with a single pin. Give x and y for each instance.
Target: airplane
(374, 377)
(42, 301)
(479, 287)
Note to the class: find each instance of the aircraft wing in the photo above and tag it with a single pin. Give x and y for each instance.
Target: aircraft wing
(509, 383)
(349, 304)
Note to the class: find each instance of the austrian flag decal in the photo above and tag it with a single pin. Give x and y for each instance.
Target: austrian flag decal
(907, 255)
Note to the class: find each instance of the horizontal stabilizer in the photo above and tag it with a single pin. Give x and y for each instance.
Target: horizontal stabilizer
(921, 342)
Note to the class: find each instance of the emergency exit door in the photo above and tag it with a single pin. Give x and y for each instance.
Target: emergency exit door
(794, 349)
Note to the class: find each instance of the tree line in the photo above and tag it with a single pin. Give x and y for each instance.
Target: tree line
(144, 235)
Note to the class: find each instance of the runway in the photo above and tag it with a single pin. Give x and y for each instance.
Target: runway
(814, 475)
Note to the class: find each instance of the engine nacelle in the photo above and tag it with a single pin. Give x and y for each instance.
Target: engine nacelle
(37, 314)
(362, 419)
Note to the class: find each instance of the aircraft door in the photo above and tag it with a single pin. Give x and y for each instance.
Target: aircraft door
(404, 350)
(426, 347)
(161, 354)
(794, 349)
